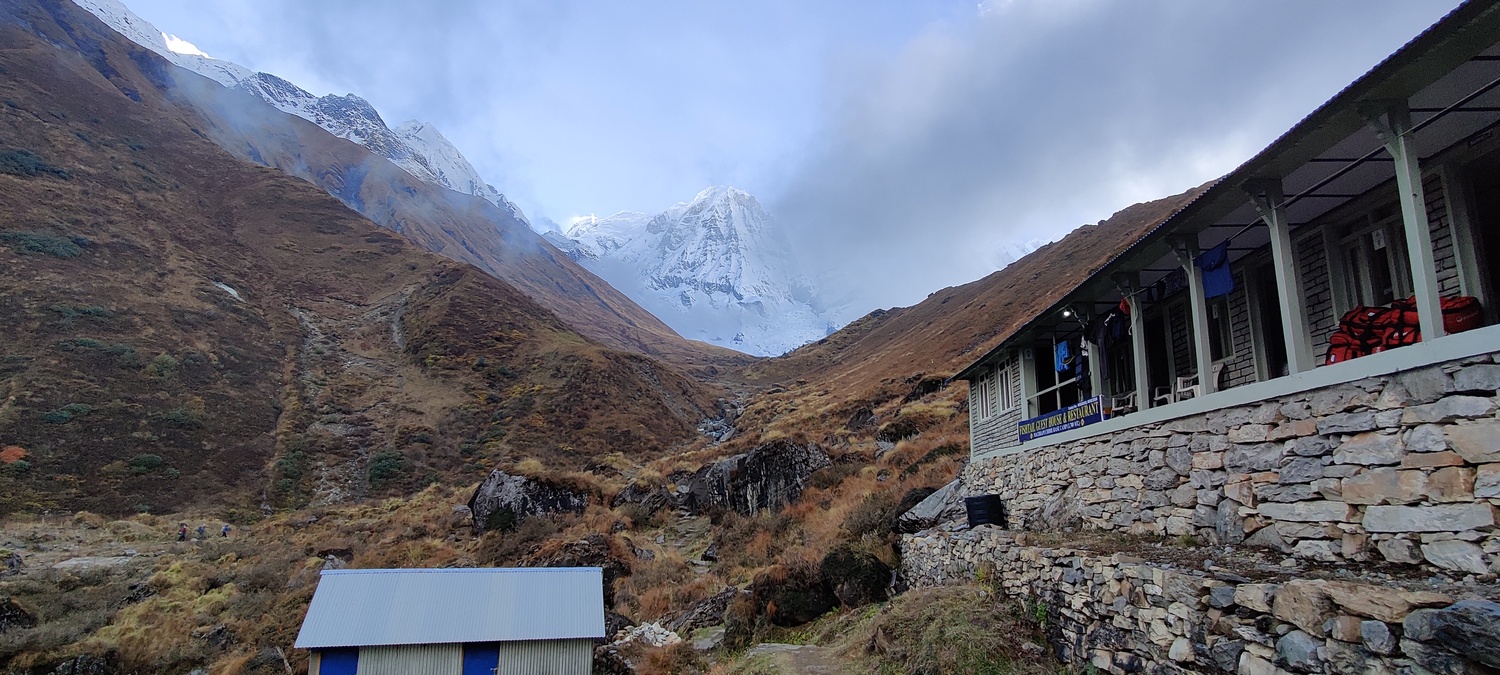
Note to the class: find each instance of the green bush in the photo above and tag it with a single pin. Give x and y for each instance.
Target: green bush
(124, 354)
(67, 314)
(73, 344)
(385, 467)
(141, 464)
(45, 244)
(27, 163)
(182, 418)
(66, 413)
(17, 468)
(164, 366)
(292, 464)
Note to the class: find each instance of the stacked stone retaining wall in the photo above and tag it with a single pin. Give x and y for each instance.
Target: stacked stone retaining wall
(1120, 614)
(1403, 468)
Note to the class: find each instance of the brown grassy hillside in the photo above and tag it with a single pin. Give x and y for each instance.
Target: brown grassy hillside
(888, 360)
(459, 226)
(955, 325)
(181, 327)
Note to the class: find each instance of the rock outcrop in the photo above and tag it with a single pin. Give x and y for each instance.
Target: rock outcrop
(702, 614)
(13, 616)
(856, 578)
(504, 499)
(647, 498)
(768, 477)
(792, 596)
(943, 505)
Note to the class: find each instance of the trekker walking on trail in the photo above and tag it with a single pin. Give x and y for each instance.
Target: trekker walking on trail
(224, 532)
(202, 531)
(182, 532)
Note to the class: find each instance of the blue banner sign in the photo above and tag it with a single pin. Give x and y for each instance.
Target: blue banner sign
(1058, 421)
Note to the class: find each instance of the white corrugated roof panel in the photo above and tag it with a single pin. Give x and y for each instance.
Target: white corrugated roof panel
(430, 606)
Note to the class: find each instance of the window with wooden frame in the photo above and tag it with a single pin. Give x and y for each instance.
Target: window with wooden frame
(981, 396)
(1005, 382)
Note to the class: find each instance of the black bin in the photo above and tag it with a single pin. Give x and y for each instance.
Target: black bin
(985, 510)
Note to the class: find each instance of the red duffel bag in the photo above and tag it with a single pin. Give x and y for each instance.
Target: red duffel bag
(1460, 312)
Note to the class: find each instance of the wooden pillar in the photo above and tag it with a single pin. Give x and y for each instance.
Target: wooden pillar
(1268, 197)
(1187, 254)
(1392, 122)
(1129, 285)
(1096, 372)
(1028, 382)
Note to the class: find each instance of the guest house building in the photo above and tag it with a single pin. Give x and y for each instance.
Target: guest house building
(1309, 344)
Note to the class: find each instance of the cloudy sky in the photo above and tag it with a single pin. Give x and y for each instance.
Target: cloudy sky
(905, 143)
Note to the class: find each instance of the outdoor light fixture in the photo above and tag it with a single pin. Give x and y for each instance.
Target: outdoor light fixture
(1067, 312)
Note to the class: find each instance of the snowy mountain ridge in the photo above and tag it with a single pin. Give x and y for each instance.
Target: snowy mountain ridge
(716, 269)
(418, 148)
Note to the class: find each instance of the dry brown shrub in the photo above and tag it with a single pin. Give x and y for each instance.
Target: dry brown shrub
(503, 549)
(13, 453)
(958, 630)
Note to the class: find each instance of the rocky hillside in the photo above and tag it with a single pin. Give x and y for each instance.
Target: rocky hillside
(955, 325)
(417, 147)
(183, 327)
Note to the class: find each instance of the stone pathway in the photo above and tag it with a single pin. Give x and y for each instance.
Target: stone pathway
(797, 659)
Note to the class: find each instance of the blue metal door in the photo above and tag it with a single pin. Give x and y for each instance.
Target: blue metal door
(338, 661)
(481, 658)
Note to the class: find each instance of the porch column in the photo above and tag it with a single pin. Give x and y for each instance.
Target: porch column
(1128, 285)
(1187, 254)
(1028, 382)
(1268, 197)
(1394, 129)
(1096, 373)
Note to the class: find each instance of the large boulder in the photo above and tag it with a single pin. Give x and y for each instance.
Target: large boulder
(768, 477)
(14, 616)
(857, 578)
(943, 505)
(702, 614)
(861, 420)
(648, 499)
(503, 499)
(792, 595)
(594, 550)
(1060, 513)
(87, 664)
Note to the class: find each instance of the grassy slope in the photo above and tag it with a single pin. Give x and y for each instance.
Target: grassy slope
(461, 227)
(133, 381)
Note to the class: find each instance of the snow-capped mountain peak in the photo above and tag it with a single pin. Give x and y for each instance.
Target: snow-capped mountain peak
(416, 147)
(717, 269)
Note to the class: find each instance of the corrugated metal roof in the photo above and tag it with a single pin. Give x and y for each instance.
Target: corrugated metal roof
(430, 606)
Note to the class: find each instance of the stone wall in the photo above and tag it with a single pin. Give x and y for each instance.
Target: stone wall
(1402, 468)
(1122, 614)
